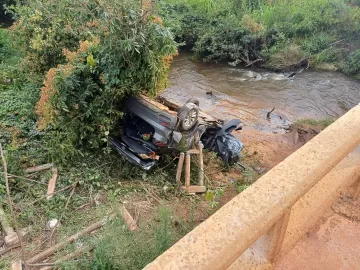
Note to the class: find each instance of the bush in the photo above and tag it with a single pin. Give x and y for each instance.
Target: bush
(94, 54)
(230, 42)
(352, 65)
(284, 55)
(240, 30)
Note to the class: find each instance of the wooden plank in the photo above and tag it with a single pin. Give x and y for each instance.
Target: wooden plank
(201, 165)
(39, 168)
(194, 189)
(180, 168)
(51, 185)
(187, 169)
(130, 222)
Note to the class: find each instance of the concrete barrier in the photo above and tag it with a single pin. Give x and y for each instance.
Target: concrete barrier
(258, 218)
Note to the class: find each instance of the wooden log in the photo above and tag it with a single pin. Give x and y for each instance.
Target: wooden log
(51, 185)
(194, 189)
(77, 253)
(39, 168)
(48, 252)
(201, 165)
(194, 151)
(180, 168)
(187, 169)
(130, 222)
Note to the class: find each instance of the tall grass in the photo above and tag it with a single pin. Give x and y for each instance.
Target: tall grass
(119, 248)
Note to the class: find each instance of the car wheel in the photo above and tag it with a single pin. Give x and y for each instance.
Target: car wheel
(194, 101)
(188, 115)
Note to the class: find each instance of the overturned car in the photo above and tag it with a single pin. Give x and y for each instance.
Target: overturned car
(149, 129)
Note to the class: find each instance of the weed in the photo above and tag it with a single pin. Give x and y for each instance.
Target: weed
(321, 124)
(213, 197)
(241, 188)
(119, 248)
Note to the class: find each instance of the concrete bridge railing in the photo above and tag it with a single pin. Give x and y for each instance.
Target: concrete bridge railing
(264, 222)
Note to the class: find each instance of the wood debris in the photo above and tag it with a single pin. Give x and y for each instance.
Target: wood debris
(39, 168)
(52, 183)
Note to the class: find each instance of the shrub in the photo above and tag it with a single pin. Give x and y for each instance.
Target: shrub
(248, 30)
(284, 55)
(352, 65)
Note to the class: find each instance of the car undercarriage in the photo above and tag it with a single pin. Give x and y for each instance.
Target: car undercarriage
(150, 129)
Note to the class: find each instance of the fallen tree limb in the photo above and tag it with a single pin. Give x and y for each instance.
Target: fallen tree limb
(24, 178)
(68, 257)
(52, 183)
(39, 168)
(44, 196)
(269, 113)
(9, 249)
(130, 222)
(12, 207)
(48, 252)
(253, 62)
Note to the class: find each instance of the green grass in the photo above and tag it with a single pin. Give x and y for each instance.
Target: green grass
(119, 248)
(313, 123)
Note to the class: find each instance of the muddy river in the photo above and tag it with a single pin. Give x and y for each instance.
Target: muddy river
(249, 94)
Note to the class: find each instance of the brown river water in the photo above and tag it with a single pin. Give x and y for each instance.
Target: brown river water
(249, 94)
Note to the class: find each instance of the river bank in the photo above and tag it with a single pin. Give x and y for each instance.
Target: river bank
(281, 35)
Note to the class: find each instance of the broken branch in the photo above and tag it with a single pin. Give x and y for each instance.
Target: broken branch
(39, 168)
(11, 207)
(253, 62)
(130, 222)
(48, 252)
(269, 113)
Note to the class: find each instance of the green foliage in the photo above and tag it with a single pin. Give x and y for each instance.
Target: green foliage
(213, 197)
(352, 65)
(241, 31)
(283, 55)
(134, 250)
(241, 188)
(95, 53)
(313, 123)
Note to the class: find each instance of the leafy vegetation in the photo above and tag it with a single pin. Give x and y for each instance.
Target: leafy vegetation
(278, 33)
(93, 54)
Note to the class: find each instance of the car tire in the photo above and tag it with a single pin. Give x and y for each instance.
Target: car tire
(188, 114)
(194, 101)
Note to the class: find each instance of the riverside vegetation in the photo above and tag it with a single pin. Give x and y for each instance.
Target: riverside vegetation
(279, 33)
(65, 67)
